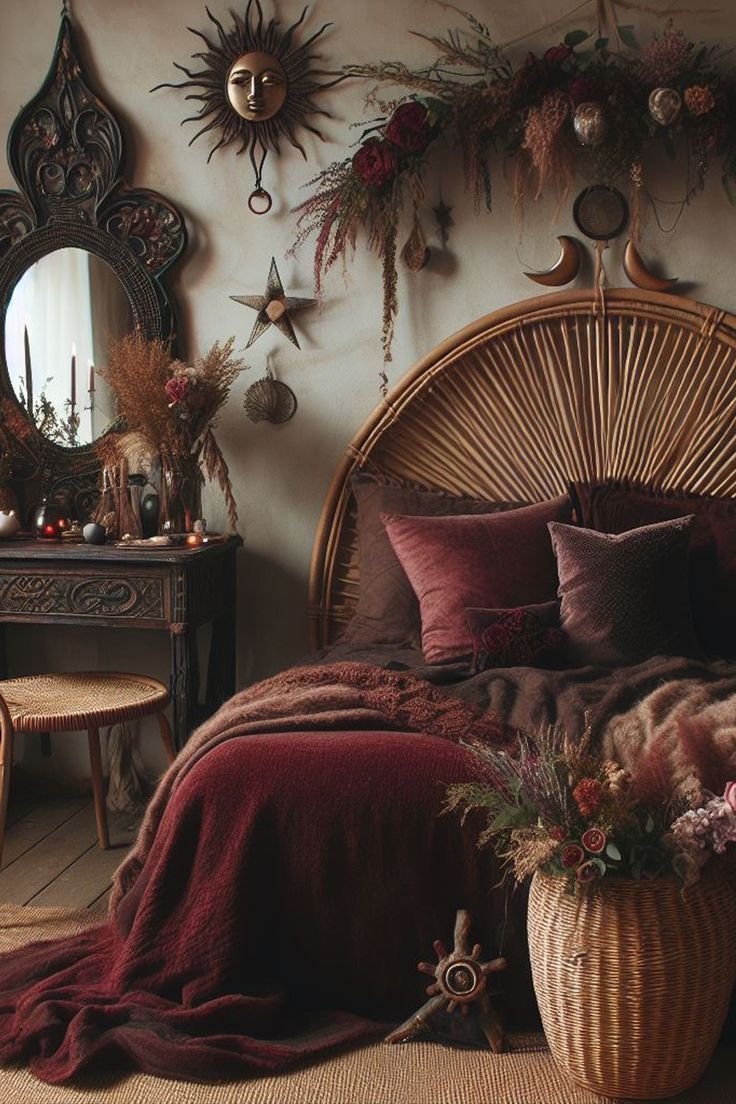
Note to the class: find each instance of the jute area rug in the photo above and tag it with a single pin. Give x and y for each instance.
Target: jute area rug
(414, 1073)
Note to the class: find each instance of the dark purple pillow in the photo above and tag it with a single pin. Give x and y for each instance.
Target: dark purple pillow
(500, 560)
(528, 636)
(616, 507)
(387, 610)
(625, 597)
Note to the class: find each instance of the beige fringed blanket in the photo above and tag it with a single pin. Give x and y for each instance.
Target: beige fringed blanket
(684, 728)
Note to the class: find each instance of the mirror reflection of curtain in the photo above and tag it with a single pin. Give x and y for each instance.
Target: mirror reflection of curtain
(111, 317)
(71, 303)
(53, 300)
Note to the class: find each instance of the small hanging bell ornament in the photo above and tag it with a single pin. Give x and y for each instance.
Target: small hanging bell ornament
(590, 123)
(665, 105)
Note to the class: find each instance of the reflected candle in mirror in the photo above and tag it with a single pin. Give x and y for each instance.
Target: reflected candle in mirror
(29, 372)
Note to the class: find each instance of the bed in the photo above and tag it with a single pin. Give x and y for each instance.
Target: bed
(293, 866)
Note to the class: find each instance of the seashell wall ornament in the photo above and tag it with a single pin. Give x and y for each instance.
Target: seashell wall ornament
(590, 123)
(269, 400)
(665, 105)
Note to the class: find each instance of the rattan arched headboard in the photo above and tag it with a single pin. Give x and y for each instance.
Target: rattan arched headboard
(574, 385)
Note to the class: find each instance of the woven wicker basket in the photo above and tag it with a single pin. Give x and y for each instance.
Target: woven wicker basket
(633, 979)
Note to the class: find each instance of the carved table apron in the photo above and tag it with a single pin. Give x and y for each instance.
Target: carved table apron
(174, 591)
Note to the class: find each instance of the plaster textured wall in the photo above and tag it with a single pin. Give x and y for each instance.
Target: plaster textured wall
(281, 474)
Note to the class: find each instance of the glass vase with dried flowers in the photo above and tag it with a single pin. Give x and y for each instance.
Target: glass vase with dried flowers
(168, 409)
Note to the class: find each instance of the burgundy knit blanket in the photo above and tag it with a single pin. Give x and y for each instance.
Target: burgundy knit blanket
(290, 872)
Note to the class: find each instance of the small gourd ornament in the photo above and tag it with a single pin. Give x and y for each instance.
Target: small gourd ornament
(460, 981)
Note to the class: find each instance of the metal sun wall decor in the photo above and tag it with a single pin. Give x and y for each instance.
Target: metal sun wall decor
(257, 87)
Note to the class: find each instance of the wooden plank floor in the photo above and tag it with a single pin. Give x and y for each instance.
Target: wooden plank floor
(51, 855)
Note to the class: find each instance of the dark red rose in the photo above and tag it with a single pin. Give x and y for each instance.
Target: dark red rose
(375, 163)
(587, 796)
(556, 54)
(557, 833)
(408, 128)
(594, 840)
(583, 90)
(572, 855)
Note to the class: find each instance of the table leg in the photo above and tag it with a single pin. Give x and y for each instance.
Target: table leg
(221, 666)
(184, 683)
(98, 788)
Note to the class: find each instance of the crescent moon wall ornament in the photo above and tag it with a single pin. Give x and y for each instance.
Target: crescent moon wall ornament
(273, 308)
(565, 268)
(258, 88)
(639, 275)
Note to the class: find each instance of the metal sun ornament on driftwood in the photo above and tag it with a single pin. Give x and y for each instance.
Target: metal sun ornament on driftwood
(460, 979)
(273, 308)
(257, 87)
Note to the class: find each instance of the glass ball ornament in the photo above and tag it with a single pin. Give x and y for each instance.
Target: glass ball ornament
(590, 123)
(665, 105)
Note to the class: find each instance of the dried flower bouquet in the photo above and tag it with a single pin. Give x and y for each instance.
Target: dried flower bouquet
(169, 409)
(554, 805)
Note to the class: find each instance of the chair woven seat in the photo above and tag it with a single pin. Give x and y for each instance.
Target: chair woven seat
(53, 703)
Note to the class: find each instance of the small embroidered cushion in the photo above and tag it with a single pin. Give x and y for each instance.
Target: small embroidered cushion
(528, 636)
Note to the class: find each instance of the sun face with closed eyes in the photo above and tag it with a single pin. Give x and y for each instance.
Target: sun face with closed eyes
(257, 87)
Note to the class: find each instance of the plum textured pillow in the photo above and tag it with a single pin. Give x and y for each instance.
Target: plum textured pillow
(529, 636)
(498, 560)
(387, 610)
(614, 508)
(625, 597)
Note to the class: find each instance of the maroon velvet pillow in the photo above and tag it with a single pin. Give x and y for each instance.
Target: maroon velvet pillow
(529, 636)
(624, 597)
(387, 610)
(615, 508)
(499, 560)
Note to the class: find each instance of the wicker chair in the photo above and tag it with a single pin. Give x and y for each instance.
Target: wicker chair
(59, 703)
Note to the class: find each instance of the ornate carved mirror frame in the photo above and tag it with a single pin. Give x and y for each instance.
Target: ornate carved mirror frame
(66, 153)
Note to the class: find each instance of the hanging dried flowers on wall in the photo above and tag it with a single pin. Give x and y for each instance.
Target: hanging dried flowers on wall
(577, 108)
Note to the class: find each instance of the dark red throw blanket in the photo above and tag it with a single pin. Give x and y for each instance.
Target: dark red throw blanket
(291, 872)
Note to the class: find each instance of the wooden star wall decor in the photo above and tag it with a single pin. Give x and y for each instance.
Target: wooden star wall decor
(273, 308)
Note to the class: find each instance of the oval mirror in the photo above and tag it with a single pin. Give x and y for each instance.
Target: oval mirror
(62, 314)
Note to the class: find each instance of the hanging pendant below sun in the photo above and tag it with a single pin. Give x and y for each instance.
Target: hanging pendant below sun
(273, 308)
(257, 87)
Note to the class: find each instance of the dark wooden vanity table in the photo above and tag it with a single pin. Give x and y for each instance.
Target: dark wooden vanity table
(173, 591)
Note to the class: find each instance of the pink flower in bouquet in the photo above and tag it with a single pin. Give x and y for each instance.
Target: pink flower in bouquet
(572, 855)
(176, 389)
(594, 840)
(729, 795)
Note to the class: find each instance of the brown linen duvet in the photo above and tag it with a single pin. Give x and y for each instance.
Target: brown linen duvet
(293, 868)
